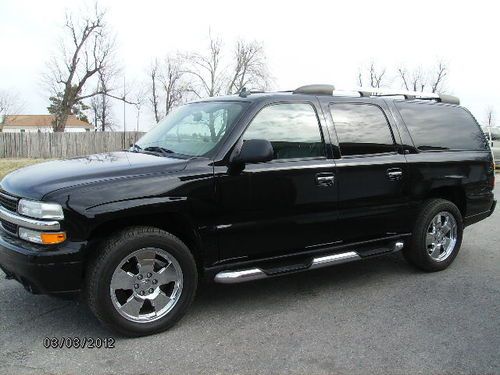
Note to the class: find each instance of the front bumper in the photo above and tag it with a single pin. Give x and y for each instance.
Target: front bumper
(42, 269)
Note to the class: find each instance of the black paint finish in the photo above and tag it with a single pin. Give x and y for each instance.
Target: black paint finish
(267, 210)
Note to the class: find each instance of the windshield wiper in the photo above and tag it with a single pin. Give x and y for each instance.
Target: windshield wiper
(162, 150)
(152, 150)
(136, 147)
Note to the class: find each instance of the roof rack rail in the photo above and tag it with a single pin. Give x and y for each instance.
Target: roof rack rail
(412, 95)
(244, 92)
(322, 89)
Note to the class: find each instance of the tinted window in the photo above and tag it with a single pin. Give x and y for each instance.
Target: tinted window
(441, 127)
(292, 129)
(361, 129)
(193, 129)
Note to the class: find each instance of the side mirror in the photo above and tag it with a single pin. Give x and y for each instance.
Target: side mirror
(253, 151)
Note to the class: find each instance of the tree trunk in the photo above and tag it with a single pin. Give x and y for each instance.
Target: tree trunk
(60, 120)
(103, 113)
(211, 126)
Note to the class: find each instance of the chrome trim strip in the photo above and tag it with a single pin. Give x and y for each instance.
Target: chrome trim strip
(27, 222)
(9, 197)
(233, 277)
(330, 260)
(239, 276)
(398, 245)
(223, 226)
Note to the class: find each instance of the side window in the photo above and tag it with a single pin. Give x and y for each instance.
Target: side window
(361, 129)
(441, 127)
(292, 129)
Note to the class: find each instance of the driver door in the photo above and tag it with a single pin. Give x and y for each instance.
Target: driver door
(288, 204)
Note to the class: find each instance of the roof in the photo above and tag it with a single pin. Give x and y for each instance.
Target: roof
(42, 121)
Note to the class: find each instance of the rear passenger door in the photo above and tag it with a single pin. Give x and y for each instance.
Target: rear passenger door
(371, 172)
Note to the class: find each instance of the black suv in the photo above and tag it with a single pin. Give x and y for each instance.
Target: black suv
(246, 187)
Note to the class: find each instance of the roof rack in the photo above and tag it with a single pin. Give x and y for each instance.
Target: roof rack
(315, 89)
(320, 89)
(244, 92)
(412, 95)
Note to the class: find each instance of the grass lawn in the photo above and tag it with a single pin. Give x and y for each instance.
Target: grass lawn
(9, 165)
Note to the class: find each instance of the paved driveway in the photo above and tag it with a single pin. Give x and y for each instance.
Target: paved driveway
(378, 316)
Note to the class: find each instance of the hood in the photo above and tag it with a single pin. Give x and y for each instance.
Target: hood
(38, 180)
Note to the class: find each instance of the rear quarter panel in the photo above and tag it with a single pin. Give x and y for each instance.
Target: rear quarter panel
(469, 171)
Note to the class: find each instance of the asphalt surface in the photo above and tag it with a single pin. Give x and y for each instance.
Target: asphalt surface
(378, 316)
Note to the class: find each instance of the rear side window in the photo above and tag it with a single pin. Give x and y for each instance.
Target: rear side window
(441, 127)
(361, 129)
(293, 130)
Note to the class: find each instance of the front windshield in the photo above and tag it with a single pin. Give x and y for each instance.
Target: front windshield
(193, 129)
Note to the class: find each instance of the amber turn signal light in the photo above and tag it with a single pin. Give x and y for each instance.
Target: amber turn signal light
(52, 238)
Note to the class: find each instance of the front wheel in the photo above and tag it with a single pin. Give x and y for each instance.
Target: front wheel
(142, 281)
(437, 236)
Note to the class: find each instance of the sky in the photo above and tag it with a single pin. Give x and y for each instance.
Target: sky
(305, 42)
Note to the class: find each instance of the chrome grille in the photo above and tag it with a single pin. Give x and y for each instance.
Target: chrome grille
(7, 201)
(9, 227)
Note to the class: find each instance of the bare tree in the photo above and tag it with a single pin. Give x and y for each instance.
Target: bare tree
(207, 70)
(167, 85)
(100, 104)
(438, 77)
(412, 81)
(154, 80)
(417, 80)
(373, 75)
(10, 104)
(140, 98)
(174, 87)
(490, 122)
(85, 51)
(182, 76)
(249, 67)
(490, 117)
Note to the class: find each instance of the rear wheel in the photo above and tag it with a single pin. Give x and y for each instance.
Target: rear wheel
(142, 282)
(437, 236)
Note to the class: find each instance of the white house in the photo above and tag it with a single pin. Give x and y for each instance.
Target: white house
(41, 123)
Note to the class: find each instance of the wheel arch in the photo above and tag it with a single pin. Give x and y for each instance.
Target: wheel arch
(175, 223)
(454, 194)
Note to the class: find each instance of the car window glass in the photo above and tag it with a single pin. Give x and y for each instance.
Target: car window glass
(361, 129)
(292, 129)
(435, 126)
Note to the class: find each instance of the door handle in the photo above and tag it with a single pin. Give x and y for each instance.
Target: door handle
(325, 179)
(394, 174)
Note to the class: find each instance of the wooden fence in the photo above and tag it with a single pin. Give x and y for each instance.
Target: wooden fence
(63, 145)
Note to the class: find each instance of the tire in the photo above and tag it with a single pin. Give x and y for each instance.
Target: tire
(113, 288)
(418, 253)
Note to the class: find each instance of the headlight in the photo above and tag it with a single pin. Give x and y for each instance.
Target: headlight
(40, 210)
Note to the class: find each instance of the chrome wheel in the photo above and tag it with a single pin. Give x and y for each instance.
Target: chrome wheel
(146, 285)
(441, 236)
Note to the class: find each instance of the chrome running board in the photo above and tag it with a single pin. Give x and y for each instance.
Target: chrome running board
(250, 274)
(239, 276)
(330, 260)
(233, 277)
